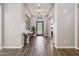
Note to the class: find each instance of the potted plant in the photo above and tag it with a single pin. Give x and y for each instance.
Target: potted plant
(33, 30)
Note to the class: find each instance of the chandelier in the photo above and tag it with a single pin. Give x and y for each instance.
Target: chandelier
(39, 13)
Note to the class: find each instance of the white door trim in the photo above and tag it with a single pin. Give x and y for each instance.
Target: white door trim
(0, 26)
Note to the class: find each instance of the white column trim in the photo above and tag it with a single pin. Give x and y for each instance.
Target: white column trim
(0, 27)
(76, 26)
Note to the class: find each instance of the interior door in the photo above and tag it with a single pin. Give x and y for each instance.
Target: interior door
(39, 28)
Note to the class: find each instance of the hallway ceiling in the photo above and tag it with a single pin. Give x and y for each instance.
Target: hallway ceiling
(39, 9)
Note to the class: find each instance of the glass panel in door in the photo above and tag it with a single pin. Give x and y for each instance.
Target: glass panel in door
(39, 28)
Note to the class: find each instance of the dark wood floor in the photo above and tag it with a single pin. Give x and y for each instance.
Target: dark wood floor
(40, 46)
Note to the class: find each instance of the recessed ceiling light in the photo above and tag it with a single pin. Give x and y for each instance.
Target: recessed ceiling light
(38, 4)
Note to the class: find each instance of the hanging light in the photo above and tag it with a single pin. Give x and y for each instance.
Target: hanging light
(38, 9)
(39, 13)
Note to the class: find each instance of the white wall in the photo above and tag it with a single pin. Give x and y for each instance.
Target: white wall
(23, 13)
(55, 26)
(50, 21)
(12, 25)
(0, 26)
(65, 25)
(49, 28)
(51, 12)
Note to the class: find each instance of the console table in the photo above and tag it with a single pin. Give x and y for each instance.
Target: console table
(28, 33)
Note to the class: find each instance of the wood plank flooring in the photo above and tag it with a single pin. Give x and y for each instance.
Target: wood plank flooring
(40, 46)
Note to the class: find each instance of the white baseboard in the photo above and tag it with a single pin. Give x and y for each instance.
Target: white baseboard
(13, 47)
(63, 47)
(77, 48)
(0, 48)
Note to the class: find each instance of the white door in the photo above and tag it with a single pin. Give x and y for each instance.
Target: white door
(0, 26)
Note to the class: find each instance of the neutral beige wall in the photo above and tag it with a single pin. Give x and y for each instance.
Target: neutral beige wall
(65, 25)
(12, 25)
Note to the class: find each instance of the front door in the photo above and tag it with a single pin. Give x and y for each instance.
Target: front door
(39, 28)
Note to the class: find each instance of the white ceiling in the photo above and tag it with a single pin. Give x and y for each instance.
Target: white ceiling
(42, 8)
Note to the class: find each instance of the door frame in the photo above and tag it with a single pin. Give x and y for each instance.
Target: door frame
(0, 26)
(42, 27)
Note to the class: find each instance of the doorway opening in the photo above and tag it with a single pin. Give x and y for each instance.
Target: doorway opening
(39, 28)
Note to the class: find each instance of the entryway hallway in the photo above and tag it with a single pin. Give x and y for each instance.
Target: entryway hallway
(23, 23)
